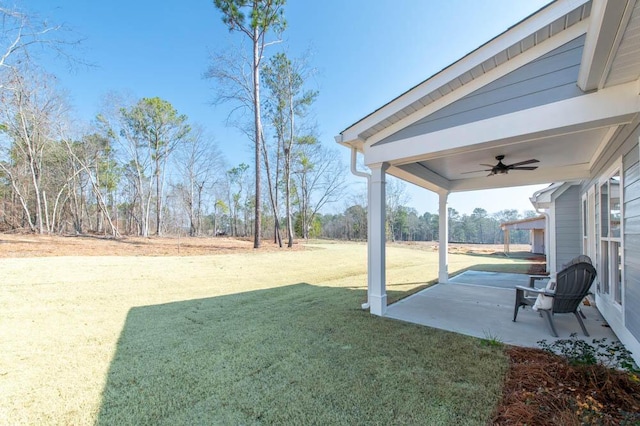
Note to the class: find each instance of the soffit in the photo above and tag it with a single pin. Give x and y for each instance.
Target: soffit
(625, 66)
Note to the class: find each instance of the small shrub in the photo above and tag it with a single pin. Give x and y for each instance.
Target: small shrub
(492, 340)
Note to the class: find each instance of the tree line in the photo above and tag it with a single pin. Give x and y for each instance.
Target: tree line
(404, 223)
(143, 168)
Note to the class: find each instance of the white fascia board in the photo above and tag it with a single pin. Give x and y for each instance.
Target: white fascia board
(513, 64)
(574, 172)
(433, 182)
(607, 22)
(356, 143)
(544, 195)
(608, 107)
(539, 205)
(544, 17)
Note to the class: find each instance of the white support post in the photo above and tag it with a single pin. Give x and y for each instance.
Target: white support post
(443, 236)
(377, 218)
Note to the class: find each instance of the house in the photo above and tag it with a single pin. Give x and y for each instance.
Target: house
(560, 87)
(535, 226)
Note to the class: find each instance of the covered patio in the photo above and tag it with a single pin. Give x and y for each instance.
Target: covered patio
(552, 99)
(480, 304)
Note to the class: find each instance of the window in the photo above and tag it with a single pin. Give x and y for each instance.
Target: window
(611, 236)
(585, 225)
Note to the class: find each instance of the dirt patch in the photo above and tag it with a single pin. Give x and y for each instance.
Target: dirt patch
(25, 245)
(543, 389)
(516, 250)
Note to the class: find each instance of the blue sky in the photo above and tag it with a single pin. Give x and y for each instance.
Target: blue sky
(367, 52)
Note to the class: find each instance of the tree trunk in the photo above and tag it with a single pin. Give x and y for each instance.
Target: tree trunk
(287, 171)
(158, 197)
(277, 237)
(258, 132)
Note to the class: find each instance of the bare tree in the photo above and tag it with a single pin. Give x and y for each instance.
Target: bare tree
(288, 100)
(237, 177)
(153, 129)
(320, 179)
(86, 157)
(396, 191)
(23, 38)
(264, 15)
(32, 107)
(199, 164)
(232, 71)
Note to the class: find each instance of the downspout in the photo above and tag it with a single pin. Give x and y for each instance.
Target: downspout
(356, 172)
(354, 154)
(547, 227)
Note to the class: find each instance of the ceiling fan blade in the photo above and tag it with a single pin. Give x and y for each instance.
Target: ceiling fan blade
(524, 168)
(475, 171)
(522, 163)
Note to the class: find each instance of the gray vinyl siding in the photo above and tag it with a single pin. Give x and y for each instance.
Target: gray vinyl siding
(568, 231)
(625, 144)
(550, 78)
(631, 199)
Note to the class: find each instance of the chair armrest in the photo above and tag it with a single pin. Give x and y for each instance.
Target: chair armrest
(535, 290)
(534, 278)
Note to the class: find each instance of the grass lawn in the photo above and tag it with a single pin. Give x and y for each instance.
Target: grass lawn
(244, 338)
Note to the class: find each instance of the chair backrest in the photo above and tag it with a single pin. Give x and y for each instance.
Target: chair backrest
(578, 259)
(572, 285)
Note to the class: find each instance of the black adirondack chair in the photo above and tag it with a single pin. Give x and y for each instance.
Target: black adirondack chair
(572, 286)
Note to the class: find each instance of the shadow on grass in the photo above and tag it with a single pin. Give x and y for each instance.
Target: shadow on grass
(298, 354)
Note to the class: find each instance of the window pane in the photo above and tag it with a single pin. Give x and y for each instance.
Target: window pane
(614, 206)
(604, 273)
(584, 218)
(616, 270)
(604, 211)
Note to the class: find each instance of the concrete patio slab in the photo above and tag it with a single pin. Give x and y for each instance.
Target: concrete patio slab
(467, 305)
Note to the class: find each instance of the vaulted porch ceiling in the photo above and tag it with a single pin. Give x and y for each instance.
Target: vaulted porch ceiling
(562, 157)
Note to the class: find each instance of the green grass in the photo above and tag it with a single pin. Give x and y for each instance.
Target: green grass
(254, 338)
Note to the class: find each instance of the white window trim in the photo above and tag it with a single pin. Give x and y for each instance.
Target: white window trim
(616, 168)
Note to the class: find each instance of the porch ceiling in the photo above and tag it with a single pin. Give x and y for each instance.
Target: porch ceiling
(562, 157)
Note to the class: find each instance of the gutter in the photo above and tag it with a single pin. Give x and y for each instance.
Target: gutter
(547, 233)
(354, 171)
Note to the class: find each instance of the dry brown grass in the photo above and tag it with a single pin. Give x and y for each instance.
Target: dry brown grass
(29, 245)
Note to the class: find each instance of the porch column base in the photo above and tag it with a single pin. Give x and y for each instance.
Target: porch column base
(378, 304)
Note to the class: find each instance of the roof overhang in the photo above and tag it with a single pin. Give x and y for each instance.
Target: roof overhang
(538, 222)
(531, 32)
(609, 24)
(568, 135)
(542, 200)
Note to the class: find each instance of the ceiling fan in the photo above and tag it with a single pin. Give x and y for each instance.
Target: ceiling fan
(503, 169)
